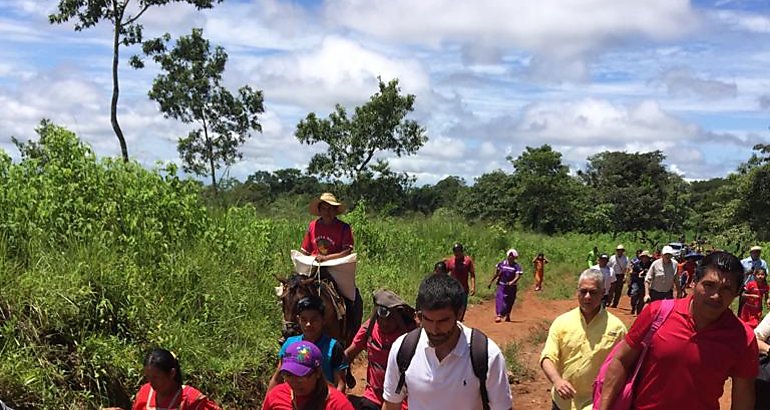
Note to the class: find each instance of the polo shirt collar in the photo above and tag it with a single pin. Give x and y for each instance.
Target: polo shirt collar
(602, 313)
(682, 307)
(461, 348)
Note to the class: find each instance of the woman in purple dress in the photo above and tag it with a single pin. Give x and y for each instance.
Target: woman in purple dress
(507, 275)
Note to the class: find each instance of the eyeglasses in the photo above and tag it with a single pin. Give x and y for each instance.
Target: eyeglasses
(383, 312)
(592, 292)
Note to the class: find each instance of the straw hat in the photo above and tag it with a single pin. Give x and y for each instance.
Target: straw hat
(755, 248)
(329, 199)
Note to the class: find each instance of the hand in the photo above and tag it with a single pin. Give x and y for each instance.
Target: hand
(564, 389)
(321, 258)
(472, 292)
(489, 286)
(647, 298)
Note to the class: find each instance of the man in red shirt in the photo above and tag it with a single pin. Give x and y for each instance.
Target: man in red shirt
(327, 237)
(694, 351)
(393, 318)
(461, 268)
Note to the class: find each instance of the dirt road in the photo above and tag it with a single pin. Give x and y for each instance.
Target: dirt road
(530, 319)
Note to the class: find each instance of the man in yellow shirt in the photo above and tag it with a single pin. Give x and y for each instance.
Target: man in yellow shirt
(578, 342)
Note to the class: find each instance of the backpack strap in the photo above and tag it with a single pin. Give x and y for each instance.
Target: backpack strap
(370, 327)
(479, 361)
(405, 354)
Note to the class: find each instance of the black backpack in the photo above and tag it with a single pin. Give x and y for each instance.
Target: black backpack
(479, 357)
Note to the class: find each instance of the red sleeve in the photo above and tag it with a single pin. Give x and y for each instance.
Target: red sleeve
(307, 242)
(450, 264)
(641, 325)
(359, 341)
(747, 366)
(204, 403)
(140, 402)
(338, 401)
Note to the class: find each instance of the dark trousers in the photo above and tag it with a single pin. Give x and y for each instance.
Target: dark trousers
(616, 290)
(554, 406)
(655, 295)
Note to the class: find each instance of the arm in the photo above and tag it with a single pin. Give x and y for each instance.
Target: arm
(494, 277)
(562, 387)
(472, 276)
(622, 363)
(743, 395)
(277, 378)
(352, 352)
(346, 252)
(339, 380)
(386, 405)
(763, 346)
(676, 284)
(516, 278)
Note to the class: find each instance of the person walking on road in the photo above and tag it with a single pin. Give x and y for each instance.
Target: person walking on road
(578, 342)
(609, 278)
(661, 279)
(696, 348)
(593, 255)
(539, 265)
(460, 266)
(440, 374)
(507, 275)
(636, 281)
(619, 266)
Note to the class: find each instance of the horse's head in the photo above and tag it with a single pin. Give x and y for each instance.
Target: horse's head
(291, 290)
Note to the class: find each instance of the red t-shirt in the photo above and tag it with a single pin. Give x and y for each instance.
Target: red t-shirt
(377, 351)
(279, 398)
(685, 368)
(189, 399)
(461, 270)
(323, 239)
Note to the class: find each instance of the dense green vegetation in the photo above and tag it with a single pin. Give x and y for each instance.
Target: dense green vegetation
(101, 260)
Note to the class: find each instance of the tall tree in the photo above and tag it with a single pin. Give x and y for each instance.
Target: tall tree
(123, 15)
(636, 184)
(189, 89)
(378, 125)
(547, 197)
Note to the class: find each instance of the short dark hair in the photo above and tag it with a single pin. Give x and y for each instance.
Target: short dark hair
(724, 262)
(439, 292)
(457, 247)
(440, 266)
(310, 303)
(163, 360)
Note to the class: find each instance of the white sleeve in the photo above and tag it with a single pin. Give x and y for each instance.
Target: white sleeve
(497, 380)
(763, 329)
(650, 274)
(392, 375)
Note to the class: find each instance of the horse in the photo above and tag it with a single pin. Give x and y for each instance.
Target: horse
(297, 286)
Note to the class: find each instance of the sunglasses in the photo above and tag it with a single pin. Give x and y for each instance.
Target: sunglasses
(384, 312)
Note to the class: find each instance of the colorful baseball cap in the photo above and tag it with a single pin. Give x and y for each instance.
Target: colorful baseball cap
(301, 358)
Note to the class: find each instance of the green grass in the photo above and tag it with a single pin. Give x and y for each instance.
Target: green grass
(83, 314)
(518, 371)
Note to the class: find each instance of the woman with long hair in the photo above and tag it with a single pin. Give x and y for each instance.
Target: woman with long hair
(305, 387)
(164, 389)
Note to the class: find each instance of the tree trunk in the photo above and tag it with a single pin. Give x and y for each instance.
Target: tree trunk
(210, 148)
(115, 88)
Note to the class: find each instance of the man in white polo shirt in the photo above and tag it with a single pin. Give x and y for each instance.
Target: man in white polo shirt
(440, 374)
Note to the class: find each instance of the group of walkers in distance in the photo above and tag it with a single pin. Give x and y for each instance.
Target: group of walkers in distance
(678, 353)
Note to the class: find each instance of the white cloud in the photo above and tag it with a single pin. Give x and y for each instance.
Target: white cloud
(743, 21)
(556, 31)
(338, 71)
(683, 82)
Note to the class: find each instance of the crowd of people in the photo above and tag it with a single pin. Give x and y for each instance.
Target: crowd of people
(683, 345)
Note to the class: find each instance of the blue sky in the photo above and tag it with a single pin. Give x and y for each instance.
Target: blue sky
(689, 78)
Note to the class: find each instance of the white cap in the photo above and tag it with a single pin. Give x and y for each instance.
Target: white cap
(512, 252)
(667, 250)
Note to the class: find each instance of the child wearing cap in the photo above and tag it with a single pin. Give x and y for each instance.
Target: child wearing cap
(310, 316)
(507, 275)
(306, 387)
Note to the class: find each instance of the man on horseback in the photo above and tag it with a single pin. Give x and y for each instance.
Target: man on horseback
(328, 238)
